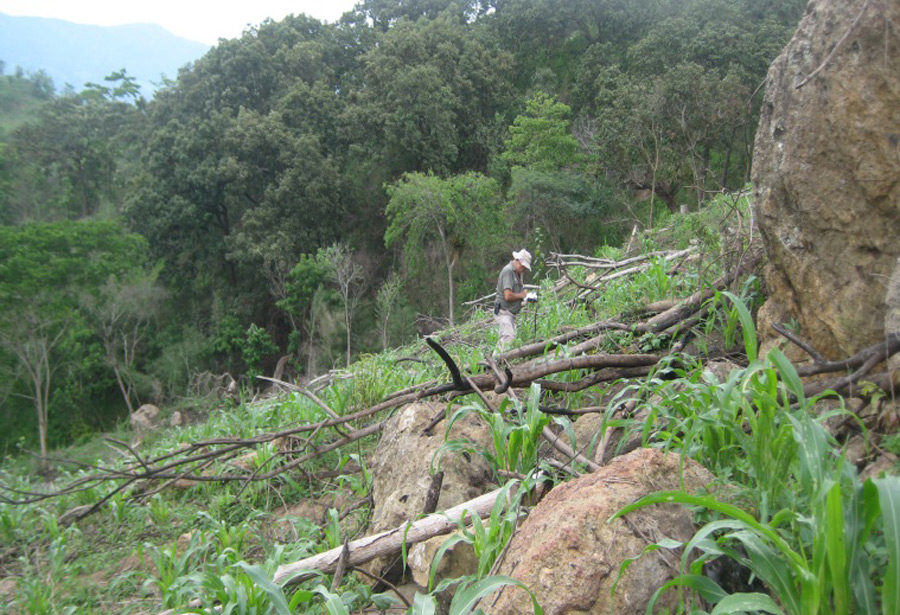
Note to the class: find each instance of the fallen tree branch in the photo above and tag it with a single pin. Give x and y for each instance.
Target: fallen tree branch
(881, 351)
(798, 342)
(387, 543)
(564, 448)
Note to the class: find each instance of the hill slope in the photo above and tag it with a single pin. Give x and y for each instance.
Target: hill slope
(75, 54)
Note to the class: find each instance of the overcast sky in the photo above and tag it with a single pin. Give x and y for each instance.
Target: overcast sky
(205, 21)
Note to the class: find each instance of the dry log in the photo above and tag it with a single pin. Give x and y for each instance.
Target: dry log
(539, 348)
(525, 376)
(389, 542)
(604, 375)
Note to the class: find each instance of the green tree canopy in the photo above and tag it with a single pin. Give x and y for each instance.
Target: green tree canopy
(432, 92)
(44, 271)
(454, 214)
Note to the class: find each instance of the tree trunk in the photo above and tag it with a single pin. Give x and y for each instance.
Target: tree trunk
(347, 324)
(41, 379)
(450, 262)
(125, 392)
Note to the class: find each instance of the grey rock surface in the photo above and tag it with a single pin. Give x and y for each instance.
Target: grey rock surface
(826, 174)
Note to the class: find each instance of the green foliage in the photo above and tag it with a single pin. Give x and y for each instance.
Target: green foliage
(813, 519)
(412, 124)
(515, 441)
(432, 93)
(306, 277)
(45, 272)
(488, 539)
(256, 345)
(20, 97)
(66, 160)
(458, 214)
(385, 306)
(540, 139)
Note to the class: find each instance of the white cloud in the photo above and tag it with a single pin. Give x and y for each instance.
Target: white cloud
(200, 20)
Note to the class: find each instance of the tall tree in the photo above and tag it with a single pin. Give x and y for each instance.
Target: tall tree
(452, 214)
(67, 160)
(40, 330)
(431, 94)
(44, 268)
(549, 189)
(122, 313)
(349, 276)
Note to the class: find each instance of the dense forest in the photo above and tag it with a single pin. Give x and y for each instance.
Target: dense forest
(316, 191)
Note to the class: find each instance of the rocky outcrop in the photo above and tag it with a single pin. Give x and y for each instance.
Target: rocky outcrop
(569, 556)
(826, 174)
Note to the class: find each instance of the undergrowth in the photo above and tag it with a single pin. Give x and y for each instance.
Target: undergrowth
(789, 510)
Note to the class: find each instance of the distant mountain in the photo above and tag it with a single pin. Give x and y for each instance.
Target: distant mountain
(76, 54)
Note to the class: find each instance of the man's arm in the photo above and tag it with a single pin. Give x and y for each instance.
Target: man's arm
(509, 295)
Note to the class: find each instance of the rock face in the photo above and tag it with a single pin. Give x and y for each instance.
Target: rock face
(892, 315)
(569, 556)
(826, 174)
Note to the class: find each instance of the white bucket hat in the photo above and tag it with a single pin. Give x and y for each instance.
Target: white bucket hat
(524, 257)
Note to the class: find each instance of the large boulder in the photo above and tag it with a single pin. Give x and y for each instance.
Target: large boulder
(145, 418)
(405, 457)
(826, 174)
(569, 556)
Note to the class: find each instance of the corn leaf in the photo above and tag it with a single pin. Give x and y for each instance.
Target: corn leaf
(744, 603)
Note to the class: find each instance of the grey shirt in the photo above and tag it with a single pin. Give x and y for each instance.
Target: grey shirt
(513, 281)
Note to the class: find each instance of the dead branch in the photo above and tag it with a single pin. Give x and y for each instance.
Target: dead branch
(524, 376)
(564, 448)
(798, 342)
(387, 543)
(689, 306)
(604, 375)
(309, 395)
(881, 351)
(539, 348)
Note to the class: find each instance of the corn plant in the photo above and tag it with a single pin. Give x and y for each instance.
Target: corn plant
(465, 601)
(35, 597)
(14, 522)
(172, 575)
(228, 540)
(829, 572)
(361, 483)
(488, 539)
(813, 553)
(740, 427)
(515, 443)
(160, 509)
(246, 588)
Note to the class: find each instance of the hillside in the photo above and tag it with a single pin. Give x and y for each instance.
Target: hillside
(251, 362)
(209, 512)
(75, 54)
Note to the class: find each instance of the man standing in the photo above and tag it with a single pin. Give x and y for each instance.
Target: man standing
(510, 294)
